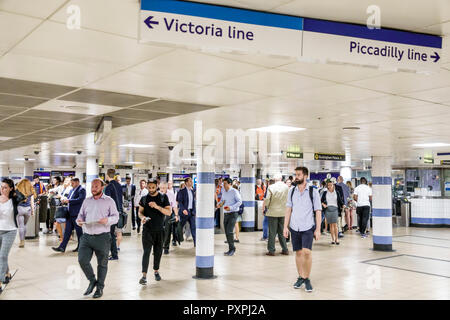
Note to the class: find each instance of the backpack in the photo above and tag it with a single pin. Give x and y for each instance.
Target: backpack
(311, 196)
(241, 209)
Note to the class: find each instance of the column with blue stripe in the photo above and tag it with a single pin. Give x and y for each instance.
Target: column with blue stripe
(204, 251)
(248, 182)
(91, 173)
(28, 170)
(382, 203)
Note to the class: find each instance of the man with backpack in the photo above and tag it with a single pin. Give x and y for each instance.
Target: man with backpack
(303, 217)
(275, 202)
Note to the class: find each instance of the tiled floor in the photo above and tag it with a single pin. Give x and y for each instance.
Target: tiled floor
(345, 272)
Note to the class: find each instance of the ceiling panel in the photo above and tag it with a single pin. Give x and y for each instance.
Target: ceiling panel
(138, 114)
(254, 59)
(273, 83)
(107, 98)
(32, 89)
(9, 111)
(172, 107)
(19, 101)
(75, 107)
(434, 95)
(38, 114)
(43, 10)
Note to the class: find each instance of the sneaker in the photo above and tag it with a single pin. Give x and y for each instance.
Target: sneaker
(340, 235)
(118, 249)
(157, 276)
(111, 258)
(299, 283)
(263, 239)
(143, 281)
(308, 286)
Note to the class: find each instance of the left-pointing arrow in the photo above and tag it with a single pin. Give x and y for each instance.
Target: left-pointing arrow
(149, 22)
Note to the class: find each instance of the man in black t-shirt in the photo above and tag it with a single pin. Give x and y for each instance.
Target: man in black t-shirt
(152, 210)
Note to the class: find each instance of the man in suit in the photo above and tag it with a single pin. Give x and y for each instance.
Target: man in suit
(129, 191)
(114, 190)
(74, 201)
(186, 206)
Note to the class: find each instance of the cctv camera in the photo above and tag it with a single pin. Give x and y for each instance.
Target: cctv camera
(26, 158)
(36, 152)
(79, 151)
(170, 148)
(192, 154)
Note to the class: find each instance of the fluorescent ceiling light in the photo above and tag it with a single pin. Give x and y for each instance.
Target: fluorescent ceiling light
(367, 159)
(189, 159)
(277, 129)
(431, 145)
(133, 162)
(2, 163)
(65, 154)
(274, 154)
(132, 145)
(22, 159)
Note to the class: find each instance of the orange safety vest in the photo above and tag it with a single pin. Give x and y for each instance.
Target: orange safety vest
(260, 192)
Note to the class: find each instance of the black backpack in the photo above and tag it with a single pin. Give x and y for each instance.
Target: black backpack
(311, 196)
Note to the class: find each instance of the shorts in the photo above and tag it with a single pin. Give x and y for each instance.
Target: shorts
(239, 218)
(61, 220)
(302, 239)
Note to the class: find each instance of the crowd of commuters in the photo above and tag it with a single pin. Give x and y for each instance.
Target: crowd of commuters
(294, 211)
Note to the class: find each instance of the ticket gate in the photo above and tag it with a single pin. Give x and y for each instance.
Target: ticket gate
(127, 228)
(32, 228)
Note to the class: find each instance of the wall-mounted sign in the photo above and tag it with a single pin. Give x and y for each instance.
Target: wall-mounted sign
(428, 160)
(329, 157)
(294, 155)
(123, 167)
(445, 162)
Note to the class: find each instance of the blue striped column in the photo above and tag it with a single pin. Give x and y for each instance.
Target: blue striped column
(91, 173)
(204, 221)
(382, 203)
(28, 170)
(248, 182)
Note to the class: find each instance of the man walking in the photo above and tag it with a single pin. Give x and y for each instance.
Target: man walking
(153, 208)
(114, 190)
(74, 201)
(346, 192)
(303, 217)
(97, 214)
(129, 191)
(363, 197)
(275, 202)
(142, 192)
(168, 224)
(186, 206)
(231, 201)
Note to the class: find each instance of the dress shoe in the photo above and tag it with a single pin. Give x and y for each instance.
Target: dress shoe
(91, 287)
(231, 252)
(75, 250)
(166, 251)
(58, 249)
(98, 293)
(270, 254)
(285, 253)
(112, 258)
(22, 244)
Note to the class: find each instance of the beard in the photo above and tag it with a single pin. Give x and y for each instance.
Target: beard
(97, 193)
(296, 182)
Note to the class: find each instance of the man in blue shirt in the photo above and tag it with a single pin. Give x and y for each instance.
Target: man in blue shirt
(303, 224)
(231, 201)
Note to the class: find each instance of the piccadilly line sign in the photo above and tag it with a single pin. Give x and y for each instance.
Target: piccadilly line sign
(214, 27)
(329, 157)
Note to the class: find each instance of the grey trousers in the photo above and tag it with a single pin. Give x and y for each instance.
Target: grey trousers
(229, 221)
(100, 244)
(6, 242)
(22, 219)
(276, 225)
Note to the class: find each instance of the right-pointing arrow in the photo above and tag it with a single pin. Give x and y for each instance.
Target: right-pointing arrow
(435, 57)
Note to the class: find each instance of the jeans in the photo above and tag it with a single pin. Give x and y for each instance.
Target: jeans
(6, 242)
(276, 226)
(113, 241)
(169, 230)
(217, 218)
(70, 225)
(22, 219)
(265, 227)
(229, 222)
(363, 214)
(100, 245)
(191, 219)
(152, 239)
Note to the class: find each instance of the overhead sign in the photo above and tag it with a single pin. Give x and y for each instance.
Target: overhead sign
(329, 157)
(428, 160)
(294, 155)
(216, 27)
(123, 167)
(356, 44)
(445, 162)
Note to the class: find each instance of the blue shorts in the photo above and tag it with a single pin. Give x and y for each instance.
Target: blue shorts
(302, 239)
(61, 220)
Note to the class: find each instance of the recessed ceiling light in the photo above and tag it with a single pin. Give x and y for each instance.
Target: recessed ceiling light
(133, 145)
(431, 145)
(351, 128)
(65, 154)
(277, 129)
(133, 162)
(22, 159)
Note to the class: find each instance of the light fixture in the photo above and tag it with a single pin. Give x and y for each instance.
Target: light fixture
(133, 162)
(277, 129)
(64, 154)
(133, 145)
(22, 159)
(193, 159)
(431, 145)
(367, 159)
(351, 128)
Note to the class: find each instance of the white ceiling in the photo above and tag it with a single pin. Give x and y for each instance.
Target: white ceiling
(393, 110)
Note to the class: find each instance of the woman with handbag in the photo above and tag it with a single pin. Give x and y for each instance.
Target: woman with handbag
(25, 208)
(62, 211)
(54, 202)
(9, 201)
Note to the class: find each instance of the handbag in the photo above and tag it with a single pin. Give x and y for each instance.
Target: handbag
(123, 217)
(61, 212)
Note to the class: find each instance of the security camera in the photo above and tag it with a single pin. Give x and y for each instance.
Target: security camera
(26, 158)
(170, 145)
(192, 154)
(79, 151)
(36, 152)
(170, 148)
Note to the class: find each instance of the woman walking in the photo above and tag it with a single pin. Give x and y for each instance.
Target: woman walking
(25, 208)
(60, 220)
(8, 227)
(332, 202)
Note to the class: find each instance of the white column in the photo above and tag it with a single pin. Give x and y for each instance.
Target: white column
(4, 172)
(28, 170)
(382, 203)
(91, 173)
(346, 173)
(248, 182)
(79, 174)
(204, 221)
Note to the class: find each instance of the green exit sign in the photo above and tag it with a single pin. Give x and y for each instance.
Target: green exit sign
(294, 155)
